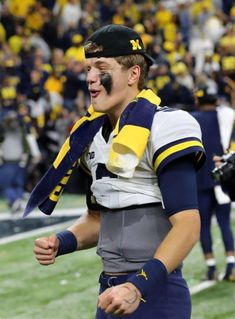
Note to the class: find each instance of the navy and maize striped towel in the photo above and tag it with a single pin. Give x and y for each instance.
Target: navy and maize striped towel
(131, 137)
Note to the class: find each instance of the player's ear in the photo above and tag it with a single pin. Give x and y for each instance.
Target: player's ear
(134, 74)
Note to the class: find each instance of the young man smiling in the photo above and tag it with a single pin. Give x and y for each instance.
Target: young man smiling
(142, 203)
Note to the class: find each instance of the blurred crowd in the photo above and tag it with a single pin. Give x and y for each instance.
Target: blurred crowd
(43, 87)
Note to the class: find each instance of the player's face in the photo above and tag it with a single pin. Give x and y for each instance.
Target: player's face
(108, 84)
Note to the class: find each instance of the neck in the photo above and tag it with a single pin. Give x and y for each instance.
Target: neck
(116, 113)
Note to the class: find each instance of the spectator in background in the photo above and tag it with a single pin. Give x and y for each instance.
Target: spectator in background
(54, 86)
(36, 99)
(157, 51)
(76, 51)
(216, 124)
(159, 76)
(119, 14)
(177, 95)
(51, 136)
(49, 28)
(106, 11)
(227, 6)
(211, 64)
(183, 76)
(37, 41)
(200, 11)
(63, 38)
(34, 20)
(185, 22)
(75, 87)
(16, 40)
(213, 27)
(71, 13)
(163, 16)
(18, 148)
(90, 14)
(226, 77)
(200, 44)
(132, 11)
(8, 20)
(57, 57)
(146, 38)
(173, 52)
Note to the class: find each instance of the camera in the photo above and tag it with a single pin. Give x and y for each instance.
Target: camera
(225, 174)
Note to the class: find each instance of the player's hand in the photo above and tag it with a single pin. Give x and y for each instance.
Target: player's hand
(45, 249)
(120, 300)
(217, 160)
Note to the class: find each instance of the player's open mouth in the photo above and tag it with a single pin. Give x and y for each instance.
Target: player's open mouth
(94, 93)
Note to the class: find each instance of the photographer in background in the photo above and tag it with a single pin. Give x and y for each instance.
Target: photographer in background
(217, 125)
(18, 149)
(224, 173)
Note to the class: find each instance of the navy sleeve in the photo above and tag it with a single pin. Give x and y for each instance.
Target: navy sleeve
(178, 185)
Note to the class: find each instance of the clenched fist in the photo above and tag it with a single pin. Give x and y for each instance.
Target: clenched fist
(120, 300)
(45, 249)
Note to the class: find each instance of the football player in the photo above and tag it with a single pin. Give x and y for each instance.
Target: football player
(216, 123)
(142, 206)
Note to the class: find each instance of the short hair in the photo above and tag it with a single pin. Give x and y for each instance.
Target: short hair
(127, 61)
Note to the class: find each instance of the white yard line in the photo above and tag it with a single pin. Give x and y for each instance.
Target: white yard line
(202, 286)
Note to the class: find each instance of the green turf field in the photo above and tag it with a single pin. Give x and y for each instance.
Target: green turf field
(69, 288)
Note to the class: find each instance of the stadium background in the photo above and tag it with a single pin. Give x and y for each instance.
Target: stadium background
(43, 81)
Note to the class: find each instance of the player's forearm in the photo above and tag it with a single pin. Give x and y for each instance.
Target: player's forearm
(86, 230)
(180, 240)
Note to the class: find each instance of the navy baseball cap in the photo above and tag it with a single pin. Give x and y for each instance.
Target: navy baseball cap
(205, 93)
(115, 40)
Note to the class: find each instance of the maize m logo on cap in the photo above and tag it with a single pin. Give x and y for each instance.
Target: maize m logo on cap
(135, 44)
